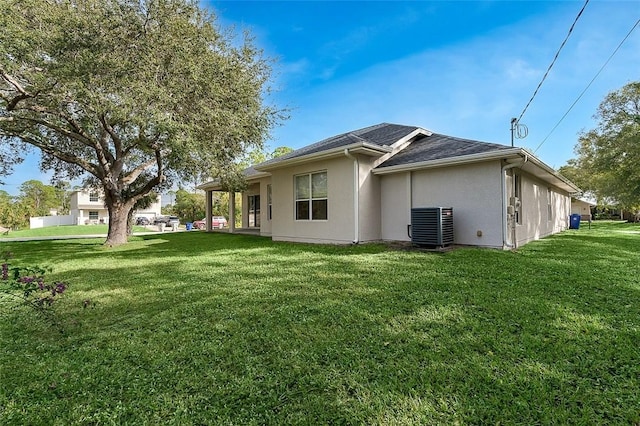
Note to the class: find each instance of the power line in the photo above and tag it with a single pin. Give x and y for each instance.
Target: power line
(588, 85)
(554, 60)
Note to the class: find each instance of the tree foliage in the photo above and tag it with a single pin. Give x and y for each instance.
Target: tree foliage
(189, 207)
(134, 94)
(35, 199)
(10, 215)
(258, 156)
(609, 155)
(39, 199)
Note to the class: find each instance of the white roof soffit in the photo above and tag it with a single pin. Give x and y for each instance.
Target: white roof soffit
(356, 148)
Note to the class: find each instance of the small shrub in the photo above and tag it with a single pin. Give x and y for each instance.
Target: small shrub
(27, 286)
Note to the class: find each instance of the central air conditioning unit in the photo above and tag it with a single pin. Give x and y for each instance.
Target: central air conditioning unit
(432, 226)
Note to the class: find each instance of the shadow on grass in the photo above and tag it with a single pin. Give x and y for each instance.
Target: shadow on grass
(201, 328)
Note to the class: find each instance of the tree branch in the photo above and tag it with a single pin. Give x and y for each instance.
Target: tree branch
(72, 135)
(13, 82)
(133, 175)
(117, 142)
(68, 158)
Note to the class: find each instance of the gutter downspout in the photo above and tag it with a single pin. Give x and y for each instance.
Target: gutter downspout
(503, 181)
(356, 195)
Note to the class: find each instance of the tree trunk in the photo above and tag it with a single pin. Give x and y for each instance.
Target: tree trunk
(118, 224)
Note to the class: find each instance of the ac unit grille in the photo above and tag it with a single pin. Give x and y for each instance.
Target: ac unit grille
(432, 226)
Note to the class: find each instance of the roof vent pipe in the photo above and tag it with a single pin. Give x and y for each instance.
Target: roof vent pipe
(356, 196)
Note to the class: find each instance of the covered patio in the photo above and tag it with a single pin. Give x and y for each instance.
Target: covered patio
(249, 204)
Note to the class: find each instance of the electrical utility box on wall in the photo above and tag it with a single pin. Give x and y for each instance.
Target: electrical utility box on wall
(432, 226)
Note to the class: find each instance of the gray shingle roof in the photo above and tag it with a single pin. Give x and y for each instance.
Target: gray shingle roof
(436, 147)
(383, 134)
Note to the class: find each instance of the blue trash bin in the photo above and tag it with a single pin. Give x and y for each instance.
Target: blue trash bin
(574, 222)
(188, 225)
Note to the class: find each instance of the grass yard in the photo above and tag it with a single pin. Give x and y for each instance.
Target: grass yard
(201, 328)
(65, 230)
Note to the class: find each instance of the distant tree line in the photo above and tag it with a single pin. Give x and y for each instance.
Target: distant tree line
(34, 199)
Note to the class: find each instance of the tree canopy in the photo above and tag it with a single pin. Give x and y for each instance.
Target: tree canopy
(39, 198)
(134, 94)
(609, 155)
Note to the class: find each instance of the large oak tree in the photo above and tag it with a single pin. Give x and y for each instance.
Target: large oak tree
(608, 161)
(133, 94)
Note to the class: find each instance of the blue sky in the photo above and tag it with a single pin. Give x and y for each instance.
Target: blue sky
(454, 67)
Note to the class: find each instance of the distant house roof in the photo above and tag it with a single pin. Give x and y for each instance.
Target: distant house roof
(580, 200)
(437, 147)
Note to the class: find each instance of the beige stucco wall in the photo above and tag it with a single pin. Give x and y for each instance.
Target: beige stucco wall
(385, 201)
(370, 217)
(339, 226)
(474, 192)
(395, 206)
(536, 222)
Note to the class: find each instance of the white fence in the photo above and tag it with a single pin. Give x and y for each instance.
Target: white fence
(43, 221)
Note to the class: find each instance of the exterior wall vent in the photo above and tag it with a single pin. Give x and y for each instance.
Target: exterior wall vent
(432, 226)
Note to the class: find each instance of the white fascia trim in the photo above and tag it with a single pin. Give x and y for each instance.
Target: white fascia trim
(451, 161)
(214, 185)
(356, 148)
(208, 185)
(257, 176)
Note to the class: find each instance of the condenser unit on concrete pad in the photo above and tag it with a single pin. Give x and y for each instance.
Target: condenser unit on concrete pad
(432, 226)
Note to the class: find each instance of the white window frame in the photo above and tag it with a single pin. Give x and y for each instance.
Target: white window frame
(518, 194)
(94, 197)
(94, 213)
(269, 202)
(311, 198)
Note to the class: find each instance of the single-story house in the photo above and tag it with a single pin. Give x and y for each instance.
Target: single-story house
(363, 185)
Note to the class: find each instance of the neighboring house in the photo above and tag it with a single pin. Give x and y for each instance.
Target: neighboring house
(87, 207)
(582, 207)
(362, 185)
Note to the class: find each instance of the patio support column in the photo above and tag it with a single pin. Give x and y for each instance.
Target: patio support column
(208, 209)
(232, 212)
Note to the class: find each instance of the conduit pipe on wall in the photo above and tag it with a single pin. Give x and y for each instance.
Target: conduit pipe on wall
(505, 199)
(356, 195)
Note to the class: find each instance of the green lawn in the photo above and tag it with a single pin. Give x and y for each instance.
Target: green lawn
(57, 231)
(202, 328)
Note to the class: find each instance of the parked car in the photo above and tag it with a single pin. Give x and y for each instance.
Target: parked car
(142, 221)
(167, 220)
(216, 222)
